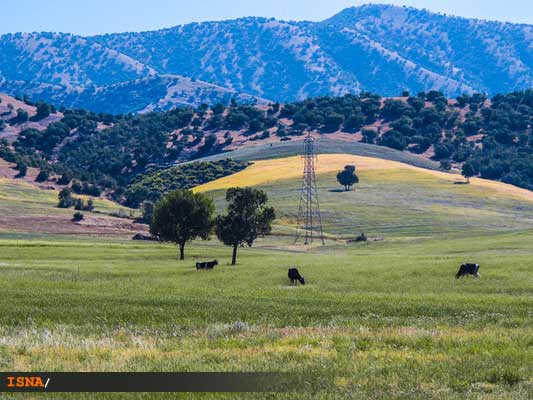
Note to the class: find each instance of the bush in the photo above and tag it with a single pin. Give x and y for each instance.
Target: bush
(77, 217)
(445, 165)
(64, 180)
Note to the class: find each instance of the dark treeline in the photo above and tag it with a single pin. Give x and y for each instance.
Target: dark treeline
(105, 152)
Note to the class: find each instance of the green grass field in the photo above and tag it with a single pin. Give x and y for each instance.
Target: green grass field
(382, 320)
(377, 320)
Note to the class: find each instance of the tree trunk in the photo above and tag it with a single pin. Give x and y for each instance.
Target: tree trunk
(182, 251)
(234, 257)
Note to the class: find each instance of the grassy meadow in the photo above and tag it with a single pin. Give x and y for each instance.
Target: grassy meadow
(383, 319)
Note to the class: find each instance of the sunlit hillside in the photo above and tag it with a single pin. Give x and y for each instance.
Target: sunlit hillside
(392, 198)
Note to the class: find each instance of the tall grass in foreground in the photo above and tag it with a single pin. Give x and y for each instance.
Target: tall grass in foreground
(384, 320)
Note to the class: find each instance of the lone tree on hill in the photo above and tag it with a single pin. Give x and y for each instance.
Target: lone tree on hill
(348, 177)
(182, 216)
(247, 219)
(468, 171)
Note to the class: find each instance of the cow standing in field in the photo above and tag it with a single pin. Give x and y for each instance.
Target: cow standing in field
(468, 269)
(206, 265)
(294, 276)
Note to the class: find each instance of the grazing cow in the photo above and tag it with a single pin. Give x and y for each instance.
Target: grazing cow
(206, 265)
(468, 269)
(294, 276)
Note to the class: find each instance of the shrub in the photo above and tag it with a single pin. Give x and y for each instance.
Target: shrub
(77, 217)
(42, 176)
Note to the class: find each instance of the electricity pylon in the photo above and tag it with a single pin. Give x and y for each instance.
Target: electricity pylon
(309, 219)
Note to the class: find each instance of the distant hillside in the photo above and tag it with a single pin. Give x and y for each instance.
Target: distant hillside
(377, 48)
(490, 138)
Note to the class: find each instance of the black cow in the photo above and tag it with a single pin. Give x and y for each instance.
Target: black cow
(294, 276)
(206, 265)
(468, 269)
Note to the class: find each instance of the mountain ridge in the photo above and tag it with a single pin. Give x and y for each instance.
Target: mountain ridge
(378, 48)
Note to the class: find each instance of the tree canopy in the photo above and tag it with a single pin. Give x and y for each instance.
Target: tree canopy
(247, 218)
(181, 216)
(348, 177)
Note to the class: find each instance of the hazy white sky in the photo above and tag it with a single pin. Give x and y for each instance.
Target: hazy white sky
(88, 17)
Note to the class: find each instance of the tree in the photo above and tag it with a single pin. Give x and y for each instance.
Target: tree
(22, 116)
(468, 171)
(181, 216)
(445, 165)
(348, 177)
(43, 176)
(65, 179)
(43, 110)
(79, 204)
(369, 136)
(247, 219)
(147, 208)
(90, 205)
(22, 169)
(65, 198)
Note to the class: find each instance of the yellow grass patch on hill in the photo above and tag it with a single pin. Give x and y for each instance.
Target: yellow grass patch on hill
(267, 171)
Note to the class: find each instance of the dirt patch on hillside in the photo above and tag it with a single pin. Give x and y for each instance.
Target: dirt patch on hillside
(92, 225)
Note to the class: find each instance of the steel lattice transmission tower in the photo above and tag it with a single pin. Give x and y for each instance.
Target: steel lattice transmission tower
(309, 219)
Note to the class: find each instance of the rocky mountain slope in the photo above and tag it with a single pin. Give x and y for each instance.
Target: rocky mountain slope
(377, 48)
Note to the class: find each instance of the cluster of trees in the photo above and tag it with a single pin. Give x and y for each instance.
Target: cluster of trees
(151, 186)
(66, 200)
(329, 114)
(182, 216)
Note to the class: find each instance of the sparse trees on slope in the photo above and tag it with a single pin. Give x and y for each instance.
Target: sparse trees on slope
(182, 216)
(247, 219)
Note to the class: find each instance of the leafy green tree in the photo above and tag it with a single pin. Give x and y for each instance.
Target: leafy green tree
(43, 110)
(22, 116)
(333, 121)
(65, 179)
(65, 198)
(182, 216)
(22, 169)
(79, 204)
(445, 165)
(468, 171)
(147, 209)
(394, 140)
(348, 177)
(247, 218)
(42, 176)
(90, 205)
